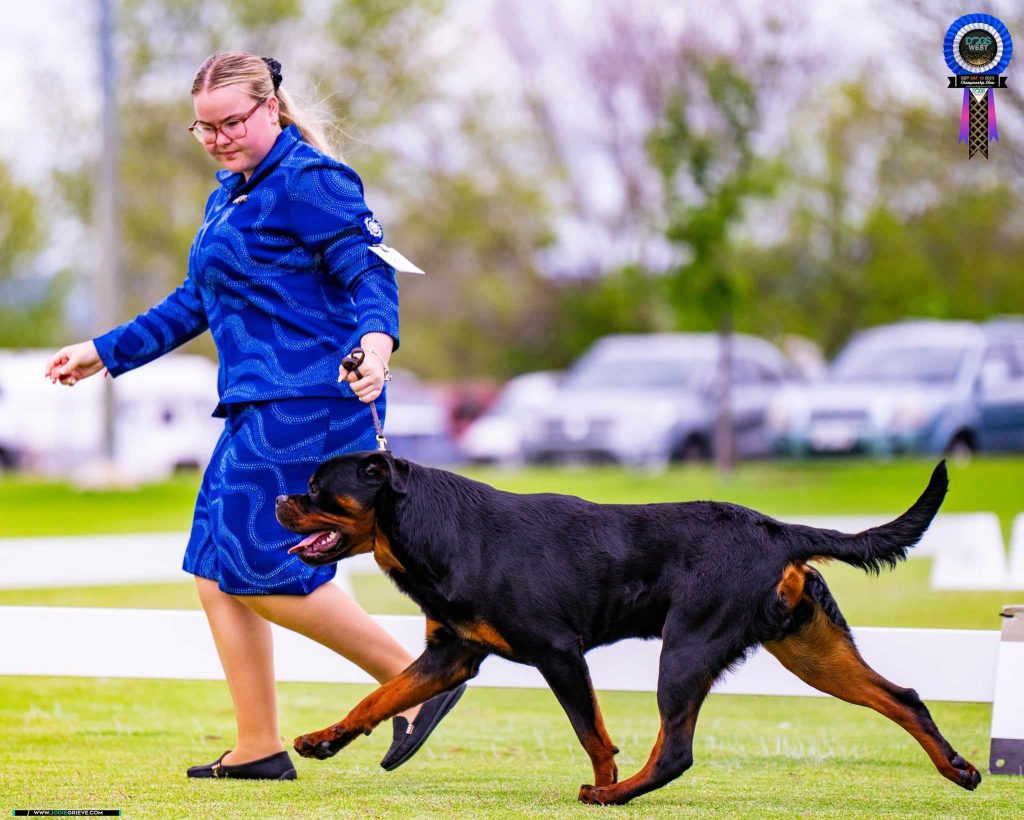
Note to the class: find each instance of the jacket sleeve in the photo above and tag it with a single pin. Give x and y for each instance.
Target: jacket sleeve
(160, 329)
(332, 221)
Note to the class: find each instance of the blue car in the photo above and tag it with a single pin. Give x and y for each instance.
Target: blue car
(912, 387)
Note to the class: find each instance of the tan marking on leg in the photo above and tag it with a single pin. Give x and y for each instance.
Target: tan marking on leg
(433, 627)
(483, 633)
(601, 751)
(612, 794)
(791, 587)
(822, 655)
(407, 689)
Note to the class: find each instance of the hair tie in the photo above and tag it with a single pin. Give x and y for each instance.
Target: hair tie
(275, 71)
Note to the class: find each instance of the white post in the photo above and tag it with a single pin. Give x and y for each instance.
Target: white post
(1007, 752)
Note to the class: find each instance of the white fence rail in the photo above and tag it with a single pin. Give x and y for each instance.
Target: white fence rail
(941, 664)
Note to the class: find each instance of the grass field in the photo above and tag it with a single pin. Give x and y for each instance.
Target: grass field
(72, 743)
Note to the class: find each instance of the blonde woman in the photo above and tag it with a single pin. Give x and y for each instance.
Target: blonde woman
(282, 274)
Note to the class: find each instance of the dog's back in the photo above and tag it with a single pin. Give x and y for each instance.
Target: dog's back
(603, 572)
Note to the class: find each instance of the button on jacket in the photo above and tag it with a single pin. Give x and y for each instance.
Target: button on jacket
(282, 273)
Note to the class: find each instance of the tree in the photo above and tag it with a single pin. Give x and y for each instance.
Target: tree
(30, 306)
(887, 219)
(463, 211)
(708, 175)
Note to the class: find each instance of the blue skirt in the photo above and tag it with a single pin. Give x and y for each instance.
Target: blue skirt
(268, 449)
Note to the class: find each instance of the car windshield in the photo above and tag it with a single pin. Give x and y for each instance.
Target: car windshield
(932, 363)
(638, 371)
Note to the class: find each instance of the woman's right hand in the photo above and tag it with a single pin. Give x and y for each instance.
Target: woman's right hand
(73, 363)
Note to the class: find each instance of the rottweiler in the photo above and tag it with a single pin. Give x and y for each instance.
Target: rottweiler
(541, 579)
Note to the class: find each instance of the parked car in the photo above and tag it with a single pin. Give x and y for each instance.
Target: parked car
(912, 387)
(417, 426)
(497, 436)
(649, 399)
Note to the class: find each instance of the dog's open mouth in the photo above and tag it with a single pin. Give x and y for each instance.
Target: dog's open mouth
(317, 545)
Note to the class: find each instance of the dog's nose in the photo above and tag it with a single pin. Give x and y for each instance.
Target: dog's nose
(281, 499)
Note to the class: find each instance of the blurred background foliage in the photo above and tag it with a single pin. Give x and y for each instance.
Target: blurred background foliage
(694, 177)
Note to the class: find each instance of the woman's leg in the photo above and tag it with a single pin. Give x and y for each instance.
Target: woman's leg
(246, 651)
(329, 616)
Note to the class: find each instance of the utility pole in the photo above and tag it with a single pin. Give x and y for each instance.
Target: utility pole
(108, 221)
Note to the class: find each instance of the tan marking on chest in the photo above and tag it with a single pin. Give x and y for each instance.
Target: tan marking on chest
(384, 556)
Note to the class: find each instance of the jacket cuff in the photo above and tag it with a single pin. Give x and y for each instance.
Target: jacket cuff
(105, 346)
(379, 327)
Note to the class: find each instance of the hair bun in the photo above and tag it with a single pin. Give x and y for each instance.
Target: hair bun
(275, 71)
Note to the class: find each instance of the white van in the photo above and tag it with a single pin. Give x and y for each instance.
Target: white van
(162, 416)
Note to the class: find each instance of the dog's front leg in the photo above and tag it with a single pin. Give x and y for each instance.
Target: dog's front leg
(444, 664)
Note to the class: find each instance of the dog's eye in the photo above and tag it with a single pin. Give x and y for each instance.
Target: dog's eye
(314, 488)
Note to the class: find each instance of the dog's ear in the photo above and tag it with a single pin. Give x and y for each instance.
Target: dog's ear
(385, 468)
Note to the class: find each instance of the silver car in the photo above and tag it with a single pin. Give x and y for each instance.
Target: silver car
(912, 387)
(497, 436)
(645, 400)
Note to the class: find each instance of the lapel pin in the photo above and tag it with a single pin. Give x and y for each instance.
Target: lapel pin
(238, 200)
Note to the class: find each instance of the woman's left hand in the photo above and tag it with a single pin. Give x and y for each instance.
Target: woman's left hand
(371, 385)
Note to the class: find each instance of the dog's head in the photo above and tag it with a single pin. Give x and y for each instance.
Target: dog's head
(339, 513)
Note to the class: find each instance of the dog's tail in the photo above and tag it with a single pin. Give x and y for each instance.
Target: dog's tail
(877, 547)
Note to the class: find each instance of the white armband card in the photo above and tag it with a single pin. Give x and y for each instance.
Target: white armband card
(394, 258)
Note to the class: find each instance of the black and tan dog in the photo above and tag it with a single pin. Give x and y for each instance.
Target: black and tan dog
(541, 579)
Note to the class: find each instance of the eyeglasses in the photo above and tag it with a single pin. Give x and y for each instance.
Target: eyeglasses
(233, 129)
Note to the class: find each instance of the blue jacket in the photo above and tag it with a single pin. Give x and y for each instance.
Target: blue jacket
(282, 274)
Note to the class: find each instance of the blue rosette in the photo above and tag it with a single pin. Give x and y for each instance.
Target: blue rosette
(970, 22)
(978, 47)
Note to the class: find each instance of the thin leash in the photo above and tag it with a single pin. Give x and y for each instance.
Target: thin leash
(351, 364)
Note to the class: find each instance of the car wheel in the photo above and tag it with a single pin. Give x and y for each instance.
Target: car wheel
(961, 448)
(692, 448)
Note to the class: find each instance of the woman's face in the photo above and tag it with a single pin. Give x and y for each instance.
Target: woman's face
(233, 102)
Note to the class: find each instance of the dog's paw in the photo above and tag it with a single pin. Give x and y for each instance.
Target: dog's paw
(966, 775)
(594, 795)
(601, 795)
(314, 746)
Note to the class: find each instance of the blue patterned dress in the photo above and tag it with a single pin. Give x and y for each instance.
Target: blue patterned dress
(282, 274)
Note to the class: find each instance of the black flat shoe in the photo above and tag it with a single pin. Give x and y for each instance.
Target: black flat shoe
(408, 739)
(275, 767)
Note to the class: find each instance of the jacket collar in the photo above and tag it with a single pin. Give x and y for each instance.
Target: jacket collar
(234, 182)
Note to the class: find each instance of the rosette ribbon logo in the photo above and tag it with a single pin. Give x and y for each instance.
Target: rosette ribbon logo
(978, 49)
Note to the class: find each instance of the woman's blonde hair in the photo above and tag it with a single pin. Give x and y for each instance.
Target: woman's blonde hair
(231, 67)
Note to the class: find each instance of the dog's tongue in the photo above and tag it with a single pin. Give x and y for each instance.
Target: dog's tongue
(309, 539)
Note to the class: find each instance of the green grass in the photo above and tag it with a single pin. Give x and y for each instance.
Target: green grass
(102, 743)
(36, 507)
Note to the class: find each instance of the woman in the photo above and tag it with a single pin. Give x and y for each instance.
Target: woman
(282, 273)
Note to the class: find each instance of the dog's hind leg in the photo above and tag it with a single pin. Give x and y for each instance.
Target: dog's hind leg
(445, 663)
(569, 678)
(822, 653)
(685, 675)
